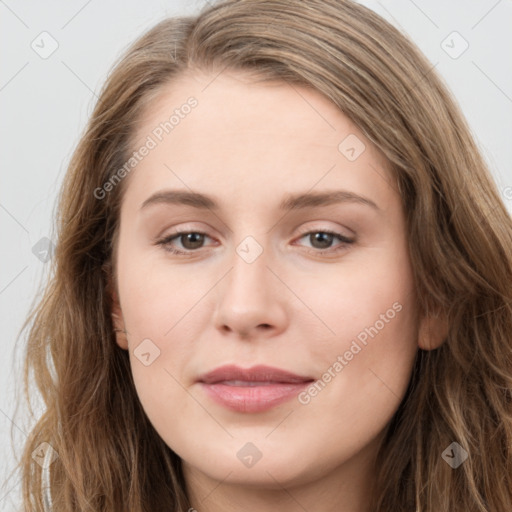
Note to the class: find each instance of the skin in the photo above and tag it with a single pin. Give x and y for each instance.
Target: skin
(248, 145)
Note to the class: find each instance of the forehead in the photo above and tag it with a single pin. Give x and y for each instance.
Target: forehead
(233, 102)
(242, 136)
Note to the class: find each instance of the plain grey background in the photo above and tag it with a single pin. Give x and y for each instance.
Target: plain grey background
(46, 100)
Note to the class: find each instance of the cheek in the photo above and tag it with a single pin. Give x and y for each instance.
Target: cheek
(369, 301)
(370, 310)
(366, 365)
(363, 370)
(158, 298)
(161, 345)
(158, 307)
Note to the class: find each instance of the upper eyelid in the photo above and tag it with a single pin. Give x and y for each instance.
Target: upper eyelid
(324, 229)
(301, 229)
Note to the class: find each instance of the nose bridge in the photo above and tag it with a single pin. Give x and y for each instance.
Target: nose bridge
(249, 278)
(249, 297)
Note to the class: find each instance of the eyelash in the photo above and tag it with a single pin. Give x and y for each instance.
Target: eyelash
(165, 242)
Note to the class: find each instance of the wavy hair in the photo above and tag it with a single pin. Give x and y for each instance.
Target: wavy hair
(110, 458)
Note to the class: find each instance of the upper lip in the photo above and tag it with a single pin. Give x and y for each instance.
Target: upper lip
(260, 373)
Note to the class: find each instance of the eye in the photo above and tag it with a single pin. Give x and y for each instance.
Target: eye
(190, 240)
(323, 239)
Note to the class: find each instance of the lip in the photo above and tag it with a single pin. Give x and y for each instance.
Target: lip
(252, 390)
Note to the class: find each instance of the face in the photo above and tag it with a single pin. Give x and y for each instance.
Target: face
(291, 275)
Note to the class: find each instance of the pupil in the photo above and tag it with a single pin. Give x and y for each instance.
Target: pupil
(327, 239)
(194, 238)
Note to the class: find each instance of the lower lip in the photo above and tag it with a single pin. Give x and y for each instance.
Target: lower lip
(253, 398)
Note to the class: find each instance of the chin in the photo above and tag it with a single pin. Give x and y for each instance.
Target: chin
(269, 467)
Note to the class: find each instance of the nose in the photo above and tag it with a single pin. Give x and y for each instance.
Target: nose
(251, 300)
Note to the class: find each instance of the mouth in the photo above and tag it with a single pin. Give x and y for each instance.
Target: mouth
(252, 390)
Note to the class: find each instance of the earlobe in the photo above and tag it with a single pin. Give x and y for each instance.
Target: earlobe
(433, 331)
(120, 332)
(118, 322)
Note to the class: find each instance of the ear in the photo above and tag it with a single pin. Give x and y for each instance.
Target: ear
(433, 331)
(117, 317)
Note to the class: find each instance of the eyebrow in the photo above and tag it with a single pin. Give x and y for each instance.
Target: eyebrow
(290, 202)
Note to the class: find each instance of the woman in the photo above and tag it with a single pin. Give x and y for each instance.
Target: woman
(204, 358)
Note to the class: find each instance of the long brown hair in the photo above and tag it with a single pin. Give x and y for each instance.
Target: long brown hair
(460, 234)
